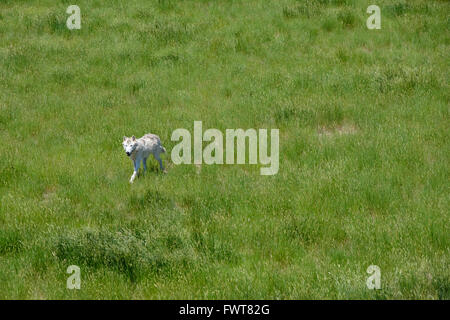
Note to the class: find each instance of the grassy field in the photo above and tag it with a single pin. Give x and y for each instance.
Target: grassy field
(364, 149)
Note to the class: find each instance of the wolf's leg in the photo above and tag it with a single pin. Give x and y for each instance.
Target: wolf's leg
(137, 164)
(157, 157)
(133, 176)
(144, 162)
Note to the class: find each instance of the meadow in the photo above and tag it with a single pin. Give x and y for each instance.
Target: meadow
(363, 117)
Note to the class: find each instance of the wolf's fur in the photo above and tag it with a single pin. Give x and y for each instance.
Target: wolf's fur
(139, 149)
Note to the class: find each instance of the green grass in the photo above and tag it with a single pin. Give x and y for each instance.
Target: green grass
(364, 149)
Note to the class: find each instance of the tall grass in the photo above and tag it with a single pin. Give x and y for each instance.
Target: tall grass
(364, 166)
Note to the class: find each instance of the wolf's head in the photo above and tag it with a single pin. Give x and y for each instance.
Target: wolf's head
(129, 145)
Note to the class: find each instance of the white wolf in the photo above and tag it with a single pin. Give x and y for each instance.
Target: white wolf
(139, 149)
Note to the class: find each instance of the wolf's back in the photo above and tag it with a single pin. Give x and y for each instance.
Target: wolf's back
(155, 140)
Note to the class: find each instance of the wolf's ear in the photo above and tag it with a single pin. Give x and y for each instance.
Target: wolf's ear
(133, 138)
(124, 138)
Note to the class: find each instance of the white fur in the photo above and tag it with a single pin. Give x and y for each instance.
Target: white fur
(139, 150)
